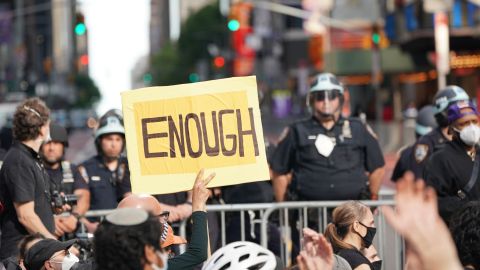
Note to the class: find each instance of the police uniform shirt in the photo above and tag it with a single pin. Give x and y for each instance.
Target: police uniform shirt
(22, 179)
(66, 182)
(423, 148)
(341, 175)
(402, 165)
(106, 187)
(449, 170)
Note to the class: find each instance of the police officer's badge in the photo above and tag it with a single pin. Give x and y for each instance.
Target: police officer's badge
(421, 151)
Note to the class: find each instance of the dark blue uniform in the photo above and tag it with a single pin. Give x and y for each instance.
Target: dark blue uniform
(423, 149)
(66, 178)
(106, 187)
(403, 162)
(340, 176)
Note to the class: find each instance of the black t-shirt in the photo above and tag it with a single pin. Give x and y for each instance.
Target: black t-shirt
(340, 176)
(22, 179)
(354, 257)
(449, 171)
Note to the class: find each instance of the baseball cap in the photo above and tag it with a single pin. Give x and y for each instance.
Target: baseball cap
(456, 111)
(168, 238)
(44, 250)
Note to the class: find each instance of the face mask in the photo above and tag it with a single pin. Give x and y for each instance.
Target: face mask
(164, 257)
(470, 135)
(377, 265)
(368, 238)
(69, 261)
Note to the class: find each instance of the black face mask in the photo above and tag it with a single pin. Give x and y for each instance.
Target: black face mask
(368, 238)
(377, 265)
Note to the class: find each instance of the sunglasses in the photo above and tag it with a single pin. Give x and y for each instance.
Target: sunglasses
(322, 95)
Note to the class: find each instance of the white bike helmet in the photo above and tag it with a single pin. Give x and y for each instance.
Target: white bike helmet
(241, 255)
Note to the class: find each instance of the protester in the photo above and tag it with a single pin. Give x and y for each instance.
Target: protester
(241, 255)
(25, 188)
(416, 219)
(129, 239)
(372, 256)
(66, 181)
(352, 229)
(433, 141)
(106, 174)
(453, 171)
(197, 250)
(50, 254)
(465, 229)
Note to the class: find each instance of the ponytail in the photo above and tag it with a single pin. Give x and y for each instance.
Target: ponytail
(335, 238)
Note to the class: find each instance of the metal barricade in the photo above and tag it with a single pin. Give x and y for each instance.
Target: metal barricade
(388, 243)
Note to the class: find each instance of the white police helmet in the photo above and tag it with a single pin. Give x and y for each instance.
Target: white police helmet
(325, 82)
(109, 125)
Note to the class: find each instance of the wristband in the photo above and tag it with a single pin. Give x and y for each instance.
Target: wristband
(374, 196)
(76, 215)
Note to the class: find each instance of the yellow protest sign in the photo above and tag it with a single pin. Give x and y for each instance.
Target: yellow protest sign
(174, 131)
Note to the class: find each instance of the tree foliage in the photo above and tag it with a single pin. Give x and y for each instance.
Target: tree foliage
(173, 63)
(87, 92)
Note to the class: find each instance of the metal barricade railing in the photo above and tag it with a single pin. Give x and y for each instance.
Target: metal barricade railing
(387, 241)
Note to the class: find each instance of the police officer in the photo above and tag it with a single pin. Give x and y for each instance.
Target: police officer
(327, 154)
(425, 123)
(426, 145)
(65, 178)
(106, 174)
(454, 170)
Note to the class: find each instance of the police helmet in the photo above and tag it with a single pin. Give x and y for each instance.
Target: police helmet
(425, 120)
(58, 134)
(444, 98)
(447, 96)
(325, 82)
(109, 124)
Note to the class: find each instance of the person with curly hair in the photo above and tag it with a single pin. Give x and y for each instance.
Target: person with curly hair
(465, 229)
(24, 183)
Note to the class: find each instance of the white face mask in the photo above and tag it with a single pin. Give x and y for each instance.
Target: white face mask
(68, 261)
(164, 257)
(470, 135)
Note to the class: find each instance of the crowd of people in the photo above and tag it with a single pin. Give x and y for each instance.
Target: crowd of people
(328, 156)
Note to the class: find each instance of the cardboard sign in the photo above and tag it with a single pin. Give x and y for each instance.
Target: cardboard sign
(174, 131)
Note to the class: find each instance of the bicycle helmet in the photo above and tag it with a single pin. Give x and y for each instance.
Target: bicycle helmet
(241, 255)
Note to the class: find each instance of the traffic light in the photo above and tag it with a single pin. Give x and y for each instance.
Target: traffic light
(84, 60)
(147, 79)
(233, 25)
(376, 38)
(219, 61)
(193, 77)
(80, 28)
